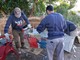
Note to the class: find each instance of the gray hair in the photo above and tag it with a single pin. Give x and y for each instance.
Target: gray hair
(17, 12)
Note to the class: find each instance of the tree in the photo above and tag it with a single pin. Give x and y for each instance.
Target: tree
(9, 5)
(34, 7)
(62, 8)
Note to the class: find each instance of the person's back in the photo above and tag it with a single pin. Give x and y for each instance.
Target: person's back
(55, 25)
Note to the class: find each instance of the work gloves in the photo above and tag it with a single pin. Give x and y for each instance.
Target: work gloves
(7, 36)
(28, 27)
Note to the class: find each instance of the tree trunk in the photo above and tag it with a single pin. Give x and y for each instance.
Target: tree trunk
(32, 10)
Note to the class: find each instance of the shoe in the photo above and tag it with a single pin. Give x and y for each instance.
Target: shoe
(19, 51)
(23, 47)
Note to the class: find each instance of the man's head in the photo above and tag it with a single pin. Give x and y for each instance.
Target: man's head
(17, 12)
(49, 9)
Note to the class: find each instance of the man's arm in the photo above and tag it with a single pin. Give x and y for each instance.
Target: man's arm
(64, 22)
(25, 18)
(7, 24)
(41, 27)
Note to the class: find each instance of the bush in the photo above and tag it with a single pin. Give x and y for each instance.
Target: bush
(74, 18)
(9, 5)
(62, 8)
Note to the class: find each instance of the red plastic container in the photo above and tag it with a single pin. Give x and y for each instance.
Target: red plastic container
(33, 42)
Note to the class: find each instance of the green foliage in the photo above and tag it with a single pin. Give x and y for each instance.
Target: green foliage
(9, 5)
(0, 4)
(72, 13)
(74, 18)
(39, 8)
(72, 3)
(79, 11)
(62, 8)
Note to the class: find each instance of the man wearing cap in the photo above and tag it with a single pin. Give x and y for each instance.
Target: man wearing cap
(16, 21)
(55, 24)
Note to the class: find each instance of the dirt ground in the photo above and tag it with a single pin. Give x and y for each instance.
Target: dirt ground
(73, 55)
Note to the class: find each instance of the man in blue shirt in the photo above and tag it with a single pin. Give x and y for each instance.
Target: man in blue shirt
(16, 20)
(55, 25)
(70, 27)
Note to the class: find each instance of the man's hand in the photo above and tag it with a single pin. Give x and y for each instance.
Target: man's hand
(35, 32)
(25, 28)
(7, 36)
(29, 26)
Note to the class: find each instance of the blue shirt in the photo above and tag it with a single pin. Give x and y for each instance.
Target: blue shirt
(16, 23)
(70, 27)
(55, 25)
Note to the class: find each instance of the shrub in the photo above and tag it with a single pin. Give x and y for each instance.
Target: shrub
(74, 18)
